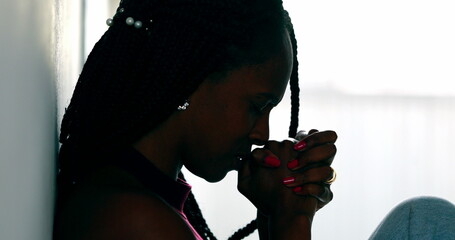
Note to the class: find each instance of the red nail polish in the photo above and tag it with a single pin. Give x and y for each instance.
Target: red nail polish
(288, 180)
(300, 145)
(293, 164)
(272, 161)
(297, 189)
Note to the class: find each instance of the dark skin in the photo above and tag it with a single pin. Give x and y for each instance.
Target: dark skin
(225, 118)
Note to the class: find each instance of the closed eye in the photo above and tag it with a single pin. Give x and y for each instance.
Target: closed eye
(262, 108)
(263, 103)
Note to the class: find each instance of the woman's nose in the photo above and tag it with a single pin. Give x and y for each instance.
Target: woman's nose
(259, 135)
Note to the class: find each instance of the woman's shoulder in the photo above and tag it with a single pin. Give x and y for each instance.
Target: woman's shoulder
(125, 211)
(131, 215)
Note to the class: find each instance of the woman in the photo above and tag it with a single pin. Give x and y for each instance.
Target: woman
(189, 83)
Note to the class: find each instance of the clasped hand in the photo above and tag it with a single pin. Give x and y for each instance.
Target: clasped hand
(291, 177)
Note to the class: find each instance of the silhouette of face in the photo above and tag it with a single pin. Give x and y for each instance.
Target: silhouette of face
(226, 117)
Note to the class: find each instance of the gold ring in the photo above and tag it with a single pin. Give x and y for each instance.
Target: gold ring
(334, 177)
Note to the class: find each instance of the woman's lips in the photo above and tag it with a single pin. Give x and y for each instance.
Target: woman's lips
(240, 159)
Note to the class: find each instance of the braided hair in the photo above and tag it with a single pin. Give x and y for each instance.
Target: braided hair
(135, 78)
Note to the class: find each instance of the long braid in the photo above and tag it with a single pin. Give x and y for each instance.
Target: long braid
(245, 231)
(294, 84)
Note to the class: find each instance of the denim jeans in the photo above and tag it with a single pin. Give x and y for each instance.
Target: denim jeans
(418, 218)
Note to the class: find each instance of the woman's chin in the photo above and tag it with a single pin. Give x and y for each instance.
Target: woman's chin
(216, 176)
(216, 172)
(213, 178)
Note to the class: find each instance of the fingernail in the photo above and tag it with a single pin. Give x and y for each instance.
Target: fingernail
(297, 189)
(289, 180)
(300, 145)
(293, 164)
(272, 161)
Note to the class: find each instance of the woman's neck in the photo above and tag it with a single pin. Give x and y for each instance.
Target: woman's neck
(162, 147)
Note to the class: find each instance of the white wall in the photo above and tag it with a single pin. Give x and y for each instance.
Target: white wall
(27, 119)
(40, 43)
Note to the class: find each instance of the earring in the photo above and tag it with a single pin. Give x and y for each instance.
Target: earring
(183, 107)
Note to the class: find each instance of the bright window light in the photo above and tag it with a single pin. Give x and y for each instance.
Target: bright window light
(376, 47)
(96, 14)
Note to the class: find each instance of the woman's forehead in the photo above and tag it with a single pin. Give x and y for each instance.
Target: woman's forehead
(268, 79)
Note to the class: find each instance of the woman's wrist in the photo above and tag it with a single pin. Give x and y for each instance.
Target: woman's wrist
(289, 226)
(263, 226)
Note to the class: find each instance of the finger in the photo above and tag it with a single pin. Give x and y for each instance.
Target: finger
(282, 149)
(301, 135)
(315, 139)
(323, 137)
(293, 140)
(321, 192)
(244, 176)
(318, 175)
(312, 131)
(276, 146)
(265, 157)
(328, 197)
(323, 155)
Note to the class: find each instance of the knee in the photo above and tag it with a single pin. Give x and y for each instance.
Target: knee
(425, 212)
(427, 203)
(419, 218)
